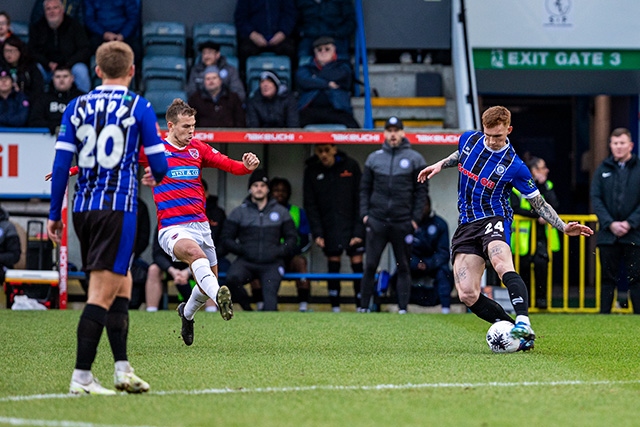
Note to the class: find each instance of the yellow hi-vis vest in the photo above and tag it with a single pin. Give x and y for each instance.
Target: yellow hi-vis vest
(524, 238)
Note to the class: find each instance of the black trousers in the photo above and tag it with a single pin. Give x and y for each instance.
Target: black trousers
(379, 233)
(241, 272)
(610, 258)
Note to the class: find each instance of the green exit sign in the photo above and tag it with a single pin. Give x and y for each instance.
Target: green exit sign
(556, 59)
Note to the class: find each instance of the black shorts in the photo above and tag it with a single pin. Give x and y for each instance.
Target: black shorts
(474, 237)
(349, 250)
(106, 239)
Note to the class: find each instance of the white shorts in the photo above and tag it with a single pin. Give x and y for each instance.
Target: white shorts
(199, 232)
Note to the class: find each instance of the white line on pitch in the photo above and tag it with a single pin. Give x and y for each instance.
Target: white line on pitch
(342, 388)
(50, 423)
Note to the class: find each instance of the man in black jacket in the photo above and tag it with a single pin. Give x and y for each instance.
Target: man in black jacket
(615, 196)
(332, 203)
(391, 202)
(47, 109)
(272, 106)
(262, 234)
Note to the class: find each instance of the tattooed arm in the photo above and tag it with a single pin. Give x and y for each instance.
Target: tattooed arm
(430, 171)
(549, 214)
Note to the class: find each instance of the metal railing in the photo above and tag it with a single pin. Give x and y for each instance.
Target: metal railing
(578, 290)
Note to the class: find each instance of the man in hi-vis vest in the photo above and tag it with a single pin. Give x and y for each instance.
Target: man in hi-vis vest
(537, 253)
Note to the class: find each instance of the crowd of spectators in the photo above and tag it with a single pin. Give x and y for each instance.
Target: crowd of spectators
(314, 33)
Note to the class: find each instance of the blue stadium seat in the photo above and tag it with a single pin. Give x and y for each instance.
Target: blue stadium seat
(164, 38)
(278, 64)
(21, 29)
(219, 32)
(164, 72)
(160, 100)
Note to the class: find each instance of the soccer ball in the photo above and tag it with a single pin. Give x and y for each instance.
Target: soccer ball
(500, 340)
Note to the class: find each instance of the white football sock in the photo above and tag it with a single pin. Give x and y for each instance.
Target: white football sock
(82, 376)
(205, 278)
(522, 318)
(196, 300)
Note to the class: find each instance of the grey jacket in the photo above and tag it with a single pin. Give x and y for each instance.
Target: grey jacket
(389, 190)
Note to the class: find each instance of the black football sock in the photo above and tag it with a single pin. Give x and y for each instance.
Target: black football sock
(517, 292)
(256, 295)
(118, 328)
(357, 268)
(90, 326)
(489, 310)
(303, 294)
(333, 285)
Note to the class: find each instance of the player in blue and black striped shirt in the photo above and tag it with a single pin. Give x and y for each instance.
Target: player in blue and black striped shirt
(489, 168)
(105, 130)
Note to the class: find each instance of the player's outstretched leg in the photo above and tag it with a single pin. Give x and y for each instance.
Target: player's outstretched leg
(225, 305)
(187, 325)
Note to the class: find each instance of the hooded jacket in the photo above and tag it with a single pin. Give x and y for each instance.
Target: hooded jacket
(255, 235)
(389, 190)
(46, 109)
(615, 196)
(332, 200)
(313, 79)
(225, 112)
(279, 111)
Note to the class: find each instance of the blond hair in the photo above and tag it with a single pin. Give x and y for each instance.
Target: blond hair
(114, 59)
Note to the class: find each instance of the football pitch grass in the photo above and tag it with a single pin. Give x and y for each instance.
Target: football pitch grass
(327, 369)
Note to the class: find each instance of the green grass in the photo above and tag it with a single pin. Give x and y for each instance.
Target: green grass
(322, 369)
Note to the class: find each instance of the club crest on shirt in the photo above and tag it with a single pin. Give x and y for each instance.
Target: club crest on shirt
(500, 170)
(274, 216)
(405, 163)
(194, 153)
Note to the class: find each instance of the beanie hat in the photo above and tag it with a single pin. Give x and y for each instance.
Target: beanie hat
(211, 69)
(258, 175)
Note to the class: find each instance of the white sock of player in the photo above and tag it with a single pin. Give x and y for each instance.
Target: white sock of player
(524, 319)
(205, 278)
(195, 301)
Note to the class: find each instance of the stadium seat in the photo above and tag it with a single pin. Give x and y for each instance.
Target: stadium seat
(164, 72)
(278, 64)
(160, 100)
(21, 29)
(219, 32)
(325, 127)
(164, 38)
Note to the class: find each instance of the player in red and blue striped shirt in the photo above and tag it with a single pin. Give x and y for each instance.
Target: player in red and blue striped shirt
(184, 231)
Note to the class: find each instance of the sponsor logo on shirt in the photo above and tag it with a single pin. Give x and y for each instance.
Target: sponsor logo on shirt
(184, 172)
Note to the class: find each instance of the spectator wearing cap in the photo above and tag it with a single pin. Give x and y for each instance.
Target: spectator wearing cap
(216, 105)
(47, 109)
(333, 18)
(210, 55)
(23, 69)
(58, 39)
(391, 204)
(272, 106)
(325, 87)
(14, 106)
(265, 26)
(261, 233)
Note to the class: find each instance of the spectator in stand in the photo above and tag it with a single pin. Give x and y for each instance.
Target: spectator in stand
(216, 105)
(47, 109)
(14, 106)
(73, 8)
(265, 26)
(272, 106)
(210, 55)
(58, 39)
(391, 204)
(163, 268)
(430, 256)
(261, 233)
(10, 250)
(333, 18)
(325, 86)
(5, 27)
(297, 263)
(615, 196)
(109, 20)
(332, 203)
(537, 255)
(24, 71)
